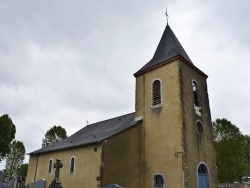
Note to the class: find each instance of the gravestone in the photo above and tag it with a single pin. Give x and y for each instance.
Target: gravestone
(39, 184)
(56, 183)
(1, 179)
(11, 181)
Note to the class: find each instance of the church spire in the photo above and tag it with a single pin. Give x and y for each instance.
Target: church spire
(169, 47)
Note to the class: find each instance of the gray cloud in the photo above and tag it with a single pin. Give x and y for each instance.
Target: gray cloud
(65, 62)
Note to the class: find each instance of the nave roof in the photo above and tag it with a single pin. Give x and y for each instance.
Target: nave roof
(94, 133)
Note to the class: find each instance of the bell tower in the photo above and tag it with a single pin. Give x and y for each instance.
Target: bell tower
(176, 135)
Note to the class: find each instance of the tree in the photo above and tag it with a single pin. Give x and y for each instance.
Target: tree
(7, 134)
(55, 134)
(247, 146)
(232, 156)
(23, 170)
(15, 158)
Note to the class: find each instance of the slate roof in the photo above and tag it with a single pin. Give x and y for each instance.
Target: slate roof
(112, 186)
(94, 133)
(168, 48)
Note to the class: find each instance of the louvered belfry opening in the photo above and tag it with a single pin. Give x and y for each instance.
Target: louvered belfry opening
(156, 92)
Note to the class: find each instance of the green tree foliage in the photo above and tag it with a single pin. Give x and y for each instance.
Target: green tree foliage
(23, 170)
(55, 134)
(247, 146)
(15, 158)
(232, 155)
(7, 134)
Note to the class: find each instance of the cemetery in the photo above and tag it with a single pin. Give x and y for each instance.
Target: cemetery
(12, 181)
(18, 182)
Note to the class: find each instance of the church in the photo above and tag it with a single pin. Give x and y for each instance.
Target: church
(166, 143)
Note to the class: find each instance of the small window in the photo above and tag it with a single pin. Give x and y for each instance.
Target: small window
(95, 149)
(72, 165)
(199, 127)
(158, 181)
(50, 166)
(156, 93)
(196, 93)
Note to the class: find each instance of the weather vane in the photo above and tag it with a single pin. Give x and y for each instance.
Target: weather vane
(167, 14)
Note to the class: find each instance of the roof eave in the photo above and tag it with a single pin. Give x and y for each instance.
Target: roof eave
(167, 62)
(60, 149)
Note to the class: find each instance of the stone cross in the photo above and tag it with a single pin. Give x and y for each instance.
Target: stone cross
(56, 183)
(57, 166)
(167, 15)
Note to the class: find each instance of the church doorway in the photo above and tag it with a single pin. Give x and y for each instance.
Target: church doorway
(202, 176)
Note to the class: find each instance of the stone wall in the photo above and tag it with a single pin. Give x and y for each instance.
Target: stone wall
(233, 186)
(162, 126)
(121, 159)
(199, 148)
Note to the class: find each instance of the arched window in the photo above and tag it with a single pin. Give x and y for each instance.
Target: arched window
(50, 166)
(196, 93)
(156, 93)
(158, 181)
(72, 165)
(202, 176)
(199, 127)
(202, 169)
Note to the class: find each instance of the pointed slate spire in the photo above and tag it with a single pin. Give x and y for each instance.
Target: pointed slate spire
(168, 48)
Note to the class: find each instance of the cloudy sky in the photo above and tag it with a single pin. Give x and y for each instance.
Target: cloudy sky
(67, 62)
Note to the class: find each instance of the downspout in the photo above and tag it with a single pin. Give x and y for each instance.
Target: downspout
(102, 163)
(183, 124)
(143, 153)
(36, 167)
(182, 161)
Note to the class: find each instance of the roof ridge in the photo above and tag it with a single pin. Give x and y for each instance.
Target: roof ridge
(110, 119)
(113, 132)
(99, 123)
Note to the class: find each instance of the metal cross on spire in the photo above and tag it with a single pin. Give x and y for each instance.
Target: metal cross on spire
(167, 15)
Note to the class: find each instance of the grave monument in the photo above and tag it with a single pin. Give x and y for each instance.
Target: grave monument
(56, 183)
(1, 179)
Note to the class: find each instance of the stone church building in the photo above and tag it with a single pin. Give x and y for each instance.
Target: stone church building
(166, 143)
